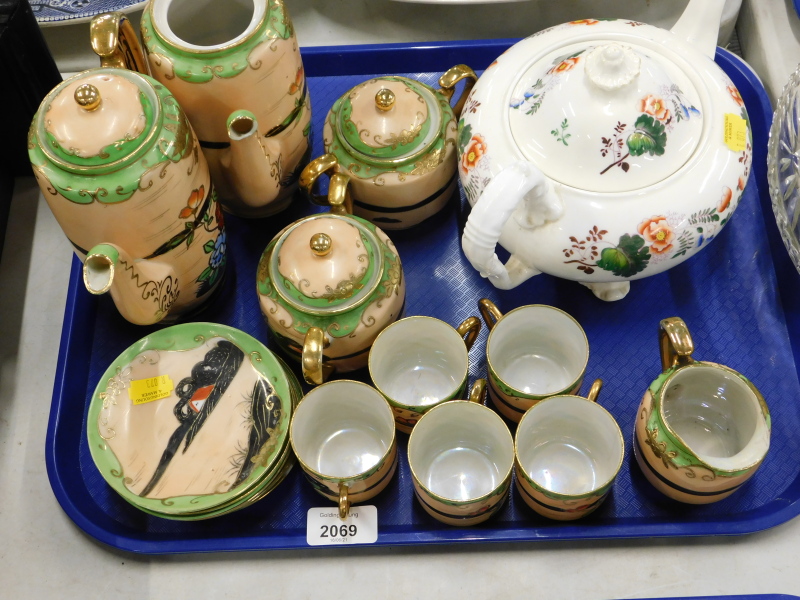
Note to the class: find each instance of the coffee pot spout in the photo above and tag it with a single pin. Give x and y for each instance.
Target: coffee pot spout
(254, 163)
(143, 290)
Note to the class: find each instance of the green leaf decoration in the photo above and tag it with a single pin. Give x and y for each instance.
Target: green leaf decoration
(626, 259)
(207, 272)
(208, 246)
(649, 137)
(464, 135)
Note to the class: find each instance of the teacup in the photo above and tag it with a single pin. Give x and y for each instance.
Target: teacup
(567, 453)
(702, 429)
(419, 362)
(343, 436)
(461, 456)
(533, 352)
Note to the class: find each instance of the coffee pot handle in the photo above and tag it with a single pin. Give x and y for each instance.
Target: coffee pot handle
(675, 343)
(448, 83)
(114, 41)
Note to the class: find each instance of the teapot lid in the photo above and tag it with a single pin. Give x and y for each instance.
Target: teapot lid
(606, 117)
(388, 120)
(98, 120)
(326, 264)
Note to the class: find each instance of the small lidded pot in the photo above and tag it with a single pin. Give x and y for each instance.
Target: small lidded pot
(390, 142)
(328, 284)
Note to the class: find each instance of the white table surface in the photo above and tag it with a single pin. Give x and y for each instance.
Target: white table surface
(43, 554)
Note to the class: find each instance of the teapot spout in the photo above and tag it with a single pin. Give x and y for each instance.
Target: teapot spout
(699, 25)
(254, 163)
(143, 290)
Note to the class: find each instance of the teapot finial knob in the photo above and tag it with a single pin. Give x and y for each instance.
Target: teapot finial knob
(612, 66)
(384, 99)
(321, 244)
(87, 96)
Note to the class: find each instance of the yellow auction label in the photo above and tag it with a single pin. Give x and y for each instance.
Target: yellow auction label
(147, 390)
(735, 132)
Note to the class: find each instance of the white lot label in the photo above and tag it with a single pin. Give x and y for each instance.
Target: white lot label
(325, 528)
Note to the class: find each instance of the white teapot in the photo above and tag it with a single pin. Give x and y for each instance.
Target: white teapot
(602, 151)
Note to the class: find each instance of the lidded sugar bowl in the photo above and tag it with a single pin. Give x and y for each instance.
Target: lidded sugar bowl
(390, 143)
(602, 151)
(328, 284)
(122, 171)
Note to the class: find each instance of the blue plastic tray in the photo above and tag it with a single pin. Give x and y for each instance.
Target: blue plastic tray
(738, 296)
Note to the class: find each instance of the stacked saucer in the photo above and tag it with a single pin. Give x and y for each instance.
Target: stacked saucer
(192, 421)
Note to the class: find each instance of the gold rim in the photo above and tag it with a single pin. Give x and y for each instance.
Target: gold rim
(759, 398)
(494, 415)
(594, 491)
(520, 393)
(334, 478)
(418, 408)
(197, 49)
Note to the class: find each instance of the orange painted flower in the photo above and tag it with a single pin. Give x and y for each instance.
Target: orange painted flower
(727, 194)
(298, 81)
(475, 149)
(652, 105)
(735, 95)
(658, 233)
(565, 65)
(741, 183)
(195, 198)
(584, 22)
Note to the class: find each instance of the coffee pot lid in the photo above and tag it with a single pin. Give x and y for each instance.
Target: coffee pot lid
(605, 116)
(388, 120)
(98, 120)
(326, 264)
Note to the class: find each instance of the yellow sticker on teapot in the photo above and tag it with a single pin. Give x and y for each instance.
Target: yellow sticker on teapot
(148, 390)
(735, 132)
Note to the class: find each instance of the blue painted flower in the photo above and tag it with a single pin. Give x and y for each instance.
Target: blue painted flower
(218, 254)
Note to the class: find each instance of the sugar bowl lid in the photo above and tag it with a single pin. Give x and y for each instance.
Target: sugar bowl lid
(581, 111)
(389, 119)
(326, 264)
(190, 419)
(98, 120)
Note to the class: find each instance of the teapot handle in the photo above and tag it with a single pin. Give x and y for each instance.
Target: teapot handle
(315, 370)
(114, 41)
(448, 83)
(338, 197)
(499, 201)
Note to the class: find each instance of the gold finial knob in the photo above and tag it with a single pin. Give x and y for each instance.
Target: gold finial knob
(87, 96)
(321, 244)
(384, 99)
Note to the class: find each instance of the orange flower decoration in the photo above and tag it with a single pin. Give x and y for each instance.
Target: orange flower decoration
(655, 106)
(735, 95)
(195, 198)
(298, 81)
(658, 234)
(475, 149)
(565, 65)
(727, 194)
(584, 22)
(741, 183)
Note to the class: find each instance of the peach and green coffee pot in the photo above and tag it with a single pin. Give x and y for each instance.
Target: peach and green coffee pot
(120, 167)
(328, 284)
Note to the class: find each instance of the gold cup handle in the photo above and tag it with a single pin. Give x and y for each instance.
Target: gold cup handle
(469, 330)
(489, 311)
(114, 41)
(344, 501)
(315, 371)
(448, 83)
(594, 391)
(338, 197)
(675, 343)
(477, 392)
